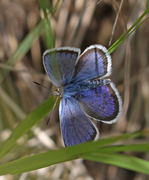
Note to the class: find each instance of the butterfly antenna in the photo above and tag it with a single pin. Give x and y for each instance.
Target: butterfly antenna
(52, 111)
(53, 93)
(39, 84)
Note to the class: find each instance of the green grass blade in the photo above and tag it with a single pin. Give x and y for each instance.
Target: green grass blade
(122, 148)
(48, 33)
(33, 118)
(62, 155)
(12, 104)
(37, 161)
(44, 4)
(23, 48)
(135, 26)
(123, 161)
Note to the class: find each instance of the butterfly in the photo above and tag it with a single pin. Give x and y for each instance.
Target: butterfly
(86, 94)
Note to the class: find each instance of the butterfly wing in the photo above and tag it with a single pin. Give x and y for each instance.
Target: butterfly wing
(93, 63)
(59, 64)
(101, 103)
(75, 126)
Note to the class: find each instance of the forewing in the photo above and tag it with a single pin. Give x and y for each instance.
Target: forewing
(59, 64)
(75, 126)
(101, 103)
(93, 63)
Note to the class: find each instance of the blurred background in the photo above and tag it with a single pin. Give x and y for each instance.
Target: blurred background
(76, 23)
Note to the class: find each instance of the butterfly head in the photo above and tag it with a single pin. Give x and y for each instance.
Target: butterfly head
(59, 92)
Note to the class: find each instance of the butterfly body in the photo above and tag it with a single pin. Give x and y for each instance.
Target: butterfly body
(85, 91)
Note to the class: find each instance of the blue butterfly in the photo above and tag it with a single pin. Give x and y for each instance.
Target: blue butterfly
(85, 92)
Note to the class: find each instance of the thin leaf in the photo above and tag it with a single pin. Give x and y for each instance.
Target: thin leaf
(123, 161)
(12, 104)
(23, 48)
(62, 155)
(33, 118)
(122, 148)
(135, 26)
(48, 33)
